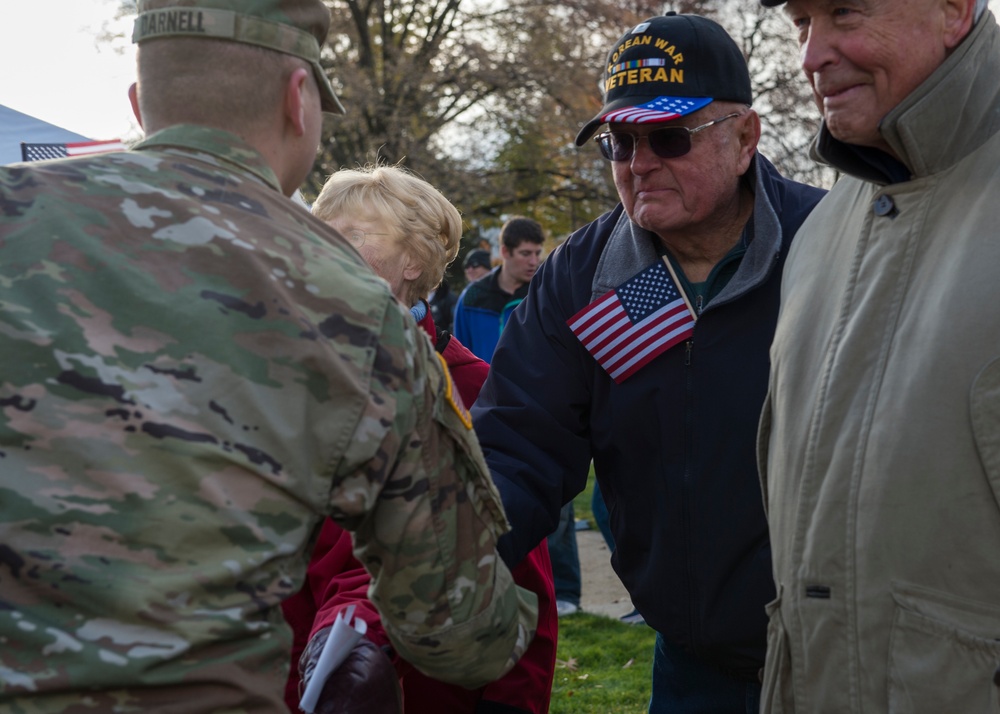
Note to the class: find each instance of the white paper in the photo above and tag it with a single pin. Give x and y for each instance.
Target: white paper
(343, 637)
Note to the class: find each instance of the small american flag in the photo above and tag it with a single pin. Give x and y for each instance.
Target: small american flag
(660, 109)
(42, 152)
(630, 325)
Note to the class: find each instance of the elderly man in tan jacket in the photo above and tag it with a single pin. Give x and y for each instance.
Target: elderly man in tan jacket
(880, 440)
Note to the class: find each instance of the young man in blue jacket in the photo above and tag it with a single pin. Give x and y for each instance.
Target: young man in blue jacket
(643, 345)
(484, 306)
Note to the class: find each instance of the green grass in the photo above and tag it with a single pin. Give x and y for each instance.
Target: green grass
(603, 666)
(581, 504)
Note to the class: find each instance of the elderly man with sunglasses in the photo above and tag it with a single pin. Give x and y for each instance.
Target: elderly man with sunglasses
(643, 346)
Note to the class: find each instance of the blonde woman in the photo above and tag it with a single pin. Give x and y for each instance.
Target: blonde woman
(408, 232)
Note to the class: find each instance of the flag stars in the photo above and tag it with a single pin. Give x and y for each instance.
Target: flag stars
(677, 105)
(631, 325)
(645, 293)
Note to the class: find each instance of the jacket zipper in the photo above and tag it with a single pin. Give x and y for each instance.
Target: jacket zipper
(686, 495)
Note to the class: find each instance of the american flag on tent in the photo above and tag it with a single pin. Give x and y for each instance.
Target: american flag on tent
(628, 326)
(43, 152)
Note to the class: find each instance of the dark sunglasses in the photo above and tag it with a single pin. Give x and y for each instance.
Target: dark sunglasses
(667, 143)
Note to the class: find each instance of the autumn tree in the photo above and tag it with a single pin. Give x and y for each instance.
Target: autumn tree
(782, 97)
(484, 98)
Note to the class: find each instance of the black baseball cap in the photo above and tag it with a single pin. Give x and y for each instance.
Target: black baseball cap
(478, 258)
(669, 66)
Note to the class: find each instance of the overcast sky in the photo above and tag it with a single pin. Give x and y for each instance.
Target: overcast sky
(55, 68)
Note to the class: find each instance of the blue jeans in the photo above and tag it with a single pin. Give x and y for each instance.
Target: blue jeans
(601, 516)
(565, 558)
(683, 685)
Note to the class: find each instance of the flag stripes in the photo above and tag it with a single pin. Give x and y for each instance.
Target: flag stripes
(43, 152)
(629, 326)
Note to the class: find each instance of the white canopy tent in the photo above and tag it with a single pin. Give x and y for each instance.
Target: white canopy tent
(16, 127)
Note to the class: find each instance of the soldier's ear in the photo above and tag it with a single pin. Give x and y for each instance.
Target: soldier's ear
(296, 101)
(133, 98)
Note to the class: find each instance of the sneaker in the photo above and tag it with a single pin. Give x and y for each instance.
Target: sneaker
(565, 607)
(633, 618)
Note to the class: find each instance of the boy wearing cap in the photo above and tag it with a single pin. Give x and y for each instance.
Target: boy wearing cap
(196, 371)
(477, 264)
(642, 345)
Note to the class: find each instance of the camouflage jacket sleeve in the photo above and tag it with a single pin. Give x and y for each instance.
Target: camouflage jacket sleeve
(195, 372)
(415, 490)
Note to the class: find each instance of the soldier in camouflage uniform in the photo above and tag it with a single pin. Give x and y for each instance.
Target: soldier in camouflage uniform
(194, 372)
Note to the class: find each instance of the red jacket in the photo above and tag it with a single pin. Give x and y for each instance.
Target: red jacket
(335, 579)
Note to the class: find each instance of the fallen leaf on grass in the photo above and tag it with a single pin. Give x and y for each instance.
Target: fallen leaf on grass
(569, 664)
(583, 676)
(629, 663)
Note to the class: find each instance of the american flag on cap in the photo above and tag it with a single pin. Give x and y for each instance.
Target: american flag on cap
(43, 152)
(629, 326)
(660, 109)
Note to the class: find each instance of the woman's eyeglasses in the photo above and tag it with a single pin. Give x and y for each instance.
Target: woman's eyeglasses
(667, 143)
(357, 237)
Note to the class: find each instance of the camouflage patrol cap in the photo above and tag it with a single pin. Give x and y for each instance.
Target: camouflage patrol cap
(295, 27)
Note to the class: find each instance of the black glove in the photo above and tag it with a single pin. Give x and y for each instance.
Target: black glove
(364, 683)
